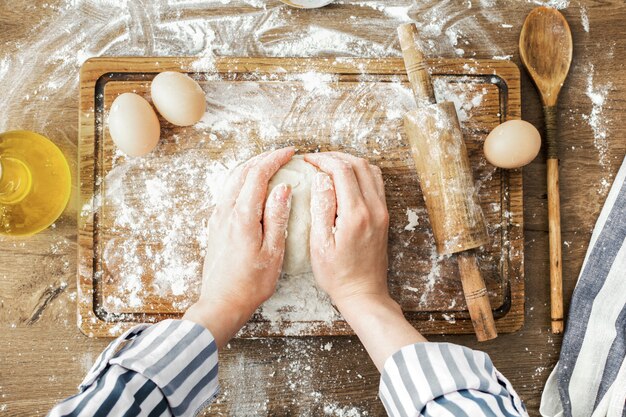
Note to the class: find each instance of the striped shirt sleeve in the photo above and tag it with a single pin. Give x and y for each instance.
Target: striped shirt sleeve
(442, 379)
(169, 368)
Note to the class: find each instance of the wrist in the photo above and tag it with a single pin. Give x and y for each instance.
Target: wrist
(221, 318)
(355, 304)
(380, 324)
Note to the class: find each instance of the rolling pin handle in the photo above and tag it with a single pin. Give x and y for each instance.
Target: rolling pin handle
(476, 297)
(416, 65)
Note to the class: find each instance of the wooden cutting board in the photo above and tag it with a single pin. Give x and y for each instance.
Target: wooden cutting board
(129, 254)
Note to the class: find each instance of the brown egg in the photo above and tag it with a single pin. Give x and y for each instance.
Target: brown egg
(512, 144)
(133, 125)
(178, 97)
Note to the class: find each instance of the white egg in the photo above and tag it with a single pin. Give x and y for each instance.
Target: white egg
(512, 144)
(178, 98)
(133, 125)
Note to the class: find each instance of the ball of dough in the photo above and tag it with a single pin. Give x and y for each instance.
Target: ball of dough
(299, 175)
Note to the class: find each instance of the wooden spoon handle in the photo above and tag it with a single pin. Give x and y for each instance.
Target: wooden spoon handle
(554, 227)
(476, 297)
(554, 221)
(549, 115)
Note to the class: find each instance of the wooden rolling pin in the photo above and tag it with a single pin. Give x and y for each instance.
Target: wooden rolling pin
(445, 175)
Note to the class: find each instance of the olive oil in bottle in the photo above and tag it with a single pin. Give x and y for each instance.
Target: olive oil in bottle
(35, 183)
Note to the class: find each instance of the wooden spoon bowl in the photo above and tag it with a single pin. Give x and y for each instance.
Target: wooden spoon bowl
(545, 46)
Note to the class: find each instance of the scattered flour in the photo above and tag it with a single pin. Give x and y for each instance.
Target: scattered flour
(86, 362)
(449, 318)
(400, 13)
(156, 241)
(163, 236)
(434, 275)
(336, 410)
(173, 240)
(315, 81)
(464, 96)
(245, 384)
(413, 220)
(298, 302)
(584, 18)
(557, 4)
(599, 122)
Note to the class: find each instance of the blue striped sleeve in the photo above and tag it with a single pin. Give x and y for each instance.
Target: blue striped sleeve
(169, 368)
(442, 379)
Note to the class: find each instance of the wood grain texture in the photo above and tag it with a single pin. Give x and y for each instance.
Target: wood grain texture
(476, 297)
(442, 162)
(445, 175)
(554, 220)
(546, 51)
(545, 46)
(416, 66)
(99, 278)
(443, 167)
(556, 270)
(44, 359)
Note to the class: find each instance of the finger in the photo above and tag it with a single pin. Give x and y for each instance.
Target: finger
(323, 212)
(254, 190)
(236, 178)
(347, 191)
(380, 183)
(276, 219)
(364, 176)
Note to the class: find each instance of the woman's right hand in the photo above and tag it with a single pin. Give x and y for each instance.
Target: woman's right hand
(349, 225)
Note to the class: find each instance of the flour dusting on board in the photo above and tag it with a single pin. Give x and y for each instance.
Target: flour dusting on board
(154, 211)
(464, 96)
(157, 238)
(158, 206)
(413, 219)
(174, 28)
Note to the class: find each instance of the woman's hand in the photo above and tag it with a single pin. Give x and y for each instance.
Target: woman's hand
(246, 246)
(349, 225)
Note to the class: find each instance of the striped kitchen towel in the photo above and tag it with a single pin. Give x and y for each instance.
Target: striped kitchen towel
(590, 378)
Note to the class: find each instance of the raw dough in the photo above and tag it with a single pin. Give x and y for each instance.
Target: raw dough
(299, 174)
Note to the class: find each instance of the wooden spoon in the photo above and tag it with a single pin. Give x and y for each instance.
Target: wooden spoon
(546, 50)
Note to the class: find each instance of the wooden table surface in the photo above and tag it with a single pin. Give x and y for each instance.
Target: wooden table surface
(43, 356)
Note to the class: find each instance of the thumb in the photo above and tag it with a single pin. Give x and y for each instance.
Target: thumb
(323, 211)
(276, 219)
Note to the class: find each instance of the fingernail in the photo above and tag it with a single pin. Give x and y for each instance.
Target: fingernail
(323, 182)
